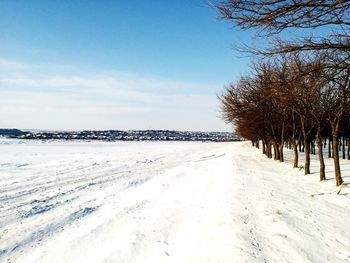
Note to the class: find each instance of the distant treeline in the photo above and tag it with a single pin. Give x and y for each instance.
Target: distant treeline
(112, 135)
(11, 132)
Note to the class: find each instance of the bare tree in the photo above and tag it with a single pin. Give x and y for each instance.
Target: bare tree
(271, 18)
(338, 101)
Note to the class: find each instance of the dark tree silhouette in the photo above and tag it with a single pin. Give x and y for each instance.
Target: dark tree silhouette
(273, 17)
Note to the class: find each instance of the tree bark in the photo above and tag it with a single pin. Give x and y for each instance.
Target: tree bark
(281, 145)
(338, 178)
(307, 155)
(275, 151)
(269, 150)
(263, 147)
(306, 148)
(296, 156)
(320, 154)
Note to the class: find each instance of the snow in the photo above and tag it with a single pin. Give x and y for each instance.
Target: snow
(63, 201)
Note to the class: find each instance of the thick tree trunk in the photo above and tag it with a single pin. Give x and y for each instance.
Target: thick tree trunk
(296, 155)
(320, 155)
(281, 153)
(338, 178)
(276, 155)
(329, 148)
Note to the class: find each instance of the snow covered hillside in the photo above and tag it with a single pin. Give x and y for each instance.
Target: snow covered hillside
(165, 202)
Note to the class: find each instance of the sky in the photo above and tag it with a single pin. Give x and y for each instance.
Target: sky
(89, 64)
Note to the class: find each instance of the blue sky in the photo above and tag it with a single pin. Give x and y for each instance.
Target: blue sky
(115, 64)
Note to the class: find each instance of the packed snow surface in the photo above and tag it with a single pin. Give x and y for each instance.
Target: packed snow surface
(165, 202)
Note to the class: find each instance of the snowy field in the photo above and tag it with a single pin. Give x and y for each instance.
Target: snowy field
(166, 202)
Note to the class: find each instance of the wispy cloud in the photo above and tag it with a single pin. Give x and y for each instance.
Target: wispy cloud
(60, 96)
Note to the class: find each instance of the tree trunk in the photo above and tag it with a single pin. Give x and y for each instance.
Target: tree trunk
(307, 155)
(263, 147)
(348, 149)
(320, 154)
(343, 147)
(281, 153)
(269, 150)
(281, 145)
(275, 151)
(296, 156)
(306, 148)
(329, 148)
(338, 178)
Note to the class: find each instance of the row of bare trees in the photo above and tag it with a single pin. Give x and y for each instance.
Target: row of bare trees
(292, 100)
(298, 94)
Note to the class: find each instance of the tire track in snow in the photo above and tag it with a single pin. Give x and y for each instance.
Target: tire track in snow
(43, 195)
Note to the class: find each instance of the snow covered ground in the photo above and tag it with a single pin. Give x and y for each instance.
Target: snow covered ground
(165, 202)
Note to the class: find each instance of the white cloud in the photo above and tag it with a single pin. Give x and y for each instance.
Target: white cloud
(61, 97)
(12, 65)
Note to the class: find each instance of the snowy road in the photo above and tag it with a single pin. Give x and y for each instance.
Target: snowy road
(163, 202)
